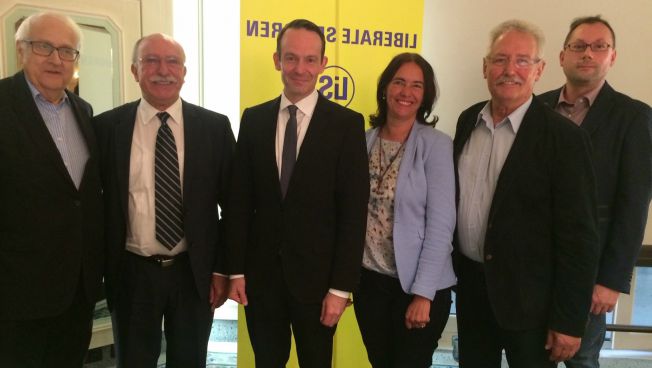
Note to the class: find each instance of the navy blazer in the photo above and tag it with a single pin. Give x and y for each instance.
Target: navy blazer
(50, 231)
(621, 134)
(315, 235)
(209, 145)
(424, 211)
(541, 245)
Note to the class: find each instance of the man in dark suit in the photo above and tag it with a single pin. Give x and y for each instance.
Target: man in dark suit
(298, 201)
(165, 168)
(51, 214)
(621, 131)
(526, 240)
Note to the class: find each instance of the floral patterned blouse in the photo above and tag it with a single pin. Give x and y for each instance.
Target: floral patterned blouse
(384, 162)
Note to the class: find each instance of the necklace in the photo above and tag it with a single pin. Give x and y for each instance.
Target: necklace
(383, 172)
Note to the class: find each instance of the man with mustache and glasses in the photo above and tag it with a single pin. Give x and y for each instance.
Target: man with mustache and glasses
(526, 243)
(51, 254)
(165, 167)
(621, 130)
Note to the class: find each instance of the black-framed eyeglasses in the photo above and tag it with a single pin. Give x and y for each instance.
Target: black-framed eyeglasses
(45, 49)
(595, 46)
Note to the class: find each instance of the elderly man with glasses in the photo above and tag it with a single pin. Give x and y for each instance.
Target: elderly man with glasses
(526, 239)
(51, 256)
(621, 135)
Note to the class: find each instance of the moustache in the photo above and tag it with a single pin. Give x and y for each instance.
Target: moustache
(160, 79)
(506, 79)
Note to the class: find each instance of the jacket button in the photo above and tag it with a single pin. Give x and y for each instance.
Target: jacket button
(77, 203)
(488, 257)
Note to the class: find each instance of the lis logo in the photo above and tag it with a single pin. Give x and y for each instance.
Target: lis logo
(336, 84)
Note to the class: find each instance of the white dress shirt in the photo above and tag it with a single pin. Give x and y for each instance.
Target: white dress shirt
(141, 232)
(479, 167)
(305, 108)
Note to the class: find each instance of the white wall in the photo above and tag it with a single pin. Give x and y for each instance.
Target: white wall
(456, 36)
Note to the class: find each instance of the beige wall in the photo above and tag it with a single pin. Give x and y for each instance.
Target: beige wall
(456, 37)
(125, 15)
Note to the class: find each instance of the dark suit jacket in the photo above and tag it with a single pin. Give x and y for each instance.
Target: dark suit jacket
(50, 231)
(621, 133)
(209, 145)
(316, 233)
(541, 245)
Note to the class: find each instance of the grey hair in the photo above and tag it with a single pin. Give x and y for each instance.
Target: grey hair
(134, 53)
(25, 28)
(517, 26)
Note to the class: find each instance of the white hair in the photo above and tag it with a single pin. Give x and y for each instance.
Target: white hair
(25, 28)
(518, 26)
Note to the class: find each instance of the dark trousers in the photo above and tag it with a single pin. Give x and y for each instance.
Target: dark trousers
(151, 295)
(589, 354)
(481, 339)
(273, 315)
(380, 305)
(59, 341)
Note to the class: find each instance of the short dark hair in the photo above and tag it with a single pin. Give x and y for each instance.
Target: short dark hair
(430, 91)
(590, 20)
(301, 24)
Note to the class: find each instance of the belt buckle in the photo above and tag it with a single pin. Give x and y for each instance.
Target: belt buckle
(164, 261)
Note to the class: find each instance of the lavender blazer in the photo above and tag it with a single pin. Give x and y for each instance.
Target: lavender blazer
(424, 211)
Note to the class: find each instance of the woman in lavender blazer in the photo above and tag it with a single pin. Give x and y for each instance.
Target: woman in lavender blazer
(403, 301)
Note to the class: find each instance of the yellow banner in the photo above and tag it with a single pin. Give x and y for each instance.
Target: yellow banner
(361, 38)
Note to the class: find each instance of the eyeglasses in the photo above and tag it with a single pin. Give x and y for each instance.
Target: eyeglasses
(45, 49)
(595, 46)
(519, 62)
(155, 62)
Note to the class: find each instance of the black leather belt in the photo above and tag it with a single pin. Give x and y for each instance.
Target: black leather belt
(163, 260)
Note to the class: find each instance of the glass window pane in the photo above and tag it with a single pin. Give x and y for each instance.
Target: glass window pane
(642, 311)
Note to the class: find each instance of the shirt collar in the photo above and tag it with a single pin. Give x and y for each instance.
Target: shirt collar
(590, 96)
(305, 105)
(514, 119)
(37, 94)
(148, 112)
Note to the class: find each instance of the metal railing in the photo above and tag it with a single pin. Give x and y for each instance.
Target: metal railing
(644, 260)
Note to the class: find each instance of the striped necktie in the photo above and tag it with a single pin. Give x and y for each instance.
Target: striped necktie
(168, 200)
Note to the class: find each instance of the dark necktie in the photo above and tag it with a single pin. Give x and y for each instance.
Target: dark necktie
(168, 202)
(289, 156)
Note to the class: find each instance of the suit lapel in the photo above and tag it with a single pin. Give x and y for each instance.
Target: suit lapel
(36, 128)
(83, 123)
(268, 123)
(312, 140)
(192, 130)
(124, 131)
(599, 112)
(528, 133)
(551, 98)
(463, 134)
